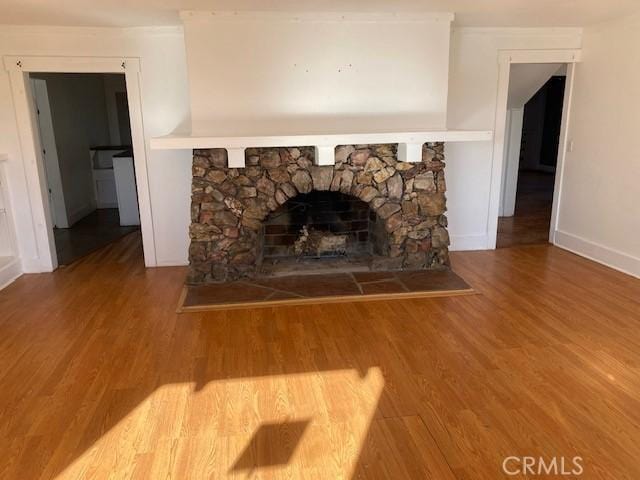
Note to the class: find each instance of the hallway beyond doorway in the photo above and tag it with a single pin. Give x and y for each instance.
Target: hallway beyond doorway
(530, 224)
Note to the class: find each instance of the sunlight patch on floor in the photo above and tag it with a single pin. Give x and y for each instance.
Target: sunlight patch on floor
(272, 426)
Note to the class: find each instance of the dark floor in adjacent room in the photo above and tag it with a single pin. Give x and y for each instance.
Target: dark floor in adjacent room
(530, 224)
(96, 230)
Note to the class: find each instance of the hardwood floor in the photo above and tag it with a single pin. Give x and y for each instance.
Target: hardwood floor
(100, 378)
(532, 217)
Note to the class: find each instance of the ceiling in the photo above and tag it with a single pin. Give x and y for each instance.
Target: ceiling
(494, 13)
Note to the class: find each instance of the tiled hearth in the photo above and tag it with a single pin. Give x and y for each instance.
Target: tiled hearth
(300, 289)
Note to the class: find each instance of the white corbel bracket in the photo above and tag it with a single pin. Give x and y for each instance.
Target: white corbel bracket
(325, 155)
(410, 152)
(235, 157)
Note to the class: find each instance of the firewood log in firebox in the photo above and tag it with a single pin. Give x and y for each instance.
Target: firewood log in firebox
(317, 243)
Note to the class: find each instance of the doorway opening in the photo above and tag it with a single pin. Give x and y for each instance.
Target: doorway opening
(533, 127)
(85, 134)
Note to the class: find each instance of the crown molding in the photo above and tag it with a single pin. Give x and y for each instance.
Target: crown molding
(517, 31)
(315, 17)
(164, 30)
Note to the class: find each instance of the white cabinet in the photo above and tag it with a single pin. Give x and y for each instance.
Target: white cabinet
(104, 183)
(114, 182)
(105, 188)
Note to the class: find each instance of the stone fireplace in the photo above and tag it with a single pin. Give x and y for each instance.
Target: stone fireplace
(368, 208)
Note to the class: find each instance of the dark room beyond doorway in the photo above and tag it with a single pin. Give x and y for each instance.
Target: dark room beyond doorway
(85, 134)
(541, 124)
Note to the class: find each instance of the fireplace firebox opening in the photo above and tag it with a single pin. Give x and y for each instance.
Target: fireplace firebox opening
(321, 226)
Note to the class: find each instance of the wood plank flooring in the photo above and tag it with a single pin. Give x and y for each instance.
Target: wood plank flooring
(532, 217)
(101, 379)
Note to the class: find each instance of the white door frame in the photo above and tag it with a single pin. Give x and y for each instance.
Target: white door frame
(505, 59)
(19, 68)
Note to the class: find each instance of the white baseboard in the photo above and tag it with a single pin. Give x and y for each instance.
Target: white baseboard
(9, 272)
(172, 263)
(33, 265)
(461, 243)
(610, 257)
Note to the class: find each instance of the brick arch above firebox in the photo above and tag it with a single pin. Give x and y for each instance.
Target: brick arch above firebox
(229, 205)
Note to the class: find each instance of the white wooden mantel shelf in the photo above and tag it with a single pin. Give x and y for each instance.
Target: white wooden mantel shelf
(409, 143)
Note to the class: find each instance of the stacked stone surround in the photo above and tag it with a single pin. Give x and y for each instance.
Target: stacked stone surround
(229, 205)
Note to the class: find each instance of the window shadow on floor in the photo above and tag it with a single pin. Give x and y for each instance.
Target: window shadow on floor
(273, 444)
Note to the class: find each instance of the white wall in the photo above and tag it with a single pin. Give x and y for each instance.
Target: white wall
(274, 74)
(473, 80)
(165, 105)
(599, 213)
